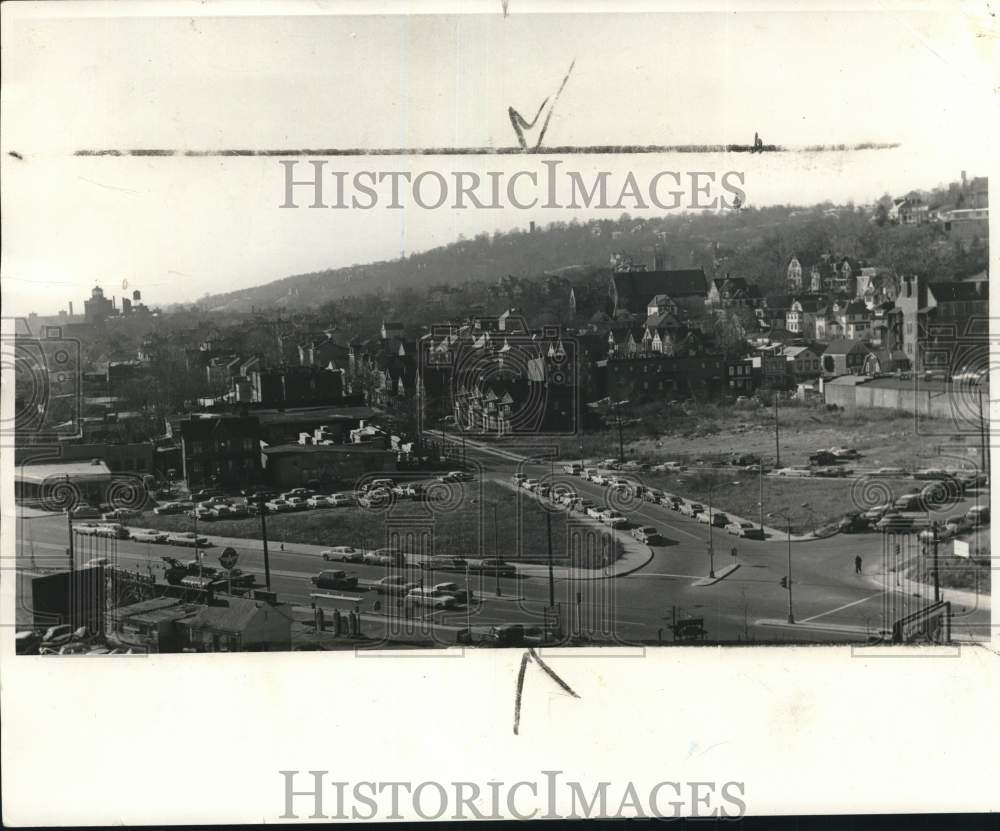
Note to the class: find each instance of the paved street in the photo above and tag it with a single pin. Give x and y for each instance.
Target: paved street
(831, 602)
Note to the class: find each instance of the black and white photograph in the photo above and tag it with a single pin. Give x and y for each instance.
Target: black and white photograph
(439, 331)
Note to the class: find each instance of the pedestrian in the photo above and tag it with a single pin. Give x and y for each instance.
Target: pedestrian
(857, 564)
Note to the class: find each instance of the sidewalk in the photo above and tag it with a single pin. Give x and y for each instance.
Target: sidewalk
(635, 557)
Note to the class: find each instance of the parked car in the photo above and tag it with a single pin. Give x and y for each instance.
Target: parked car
(518, 479)
(341, 500)
(460, 476)
(716, 518)
(57, 635)
(186, 538)
(298, 503)
(876, 513)
(582, 506)
(594, 511)
(612, 518)
(673, 501)
(894, 522)
(744, 459)
(853, 523)
(97, 562)
(319, 502)
(530, 484)
(375, 498)
(793, 471)
(845, 453)
(495, 566)
(908, 502)
(148, 535)
(691, 508)
(26, 642)
(278, 506)
(112, 530)
(396, 584)
(590, 473)
(740, 528)
(168, 508)
(646, 534)
(931, 473)
(121, 513)
(334, 580)
(978, 515)
(430, 597)
(343, 553)
(542, 489)
(384, 557)
(889, 471)
(458, 564)
(573, 469)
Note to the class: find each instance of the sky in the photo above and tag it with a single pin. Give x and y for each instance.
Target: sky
(86, 76)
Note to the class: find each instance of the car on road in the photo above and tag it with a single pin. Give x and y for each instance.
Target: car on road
(931, 473)
(845, 453)
(343, 553)
(319, 502)
(530, 484)
(593, 511)
(112, 530)
(646, 534)
(670, 467)
(740, 528)
(978, 515)
(430, 597)
(716, 518)
(958, 524)
(384, 557)
(543, 489)
(889, 471)
(460, 476)
(518, 479)
(335, 580)
(495, 566)
(653, 495)
(672, 501)
(609, 464)
(461, 595)
(793, 471)
(394, 584)
(148, 535)
(341, 500)
(600, 478)
(562, 494)
(894, 523)
(573, 469)
(187, 538)
(832, 471)
(278, 506)
(691, 508)
(458, 564)
(612, 518)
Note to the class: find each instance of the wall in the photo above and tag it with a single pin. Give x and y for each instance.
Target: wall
(919, 401)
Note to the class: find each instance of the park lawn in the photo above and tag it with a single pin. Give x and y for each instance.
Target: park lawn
(461, 527)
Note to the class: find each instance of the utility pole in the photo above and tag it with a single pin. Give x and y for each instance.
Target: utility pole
(934, 543)
(761, 503)
(791, 615)
(69, 551)
(496, 548)
(711, 545)
(263, 537)
(777, 448)
(982, 435)
(621, 443)
(552, 582)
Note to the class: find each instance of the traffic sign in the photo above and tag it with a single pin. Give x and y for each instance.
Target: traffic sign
(228, 558)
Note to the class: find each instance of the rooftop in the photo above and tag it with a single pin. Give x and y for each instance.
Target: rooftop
(39, 472)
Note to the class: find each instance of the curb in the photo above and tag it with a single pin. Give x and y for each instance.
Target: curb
(719, 575)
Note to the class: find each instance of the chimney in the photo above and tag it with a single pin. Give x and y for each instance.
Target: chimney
(531, 227)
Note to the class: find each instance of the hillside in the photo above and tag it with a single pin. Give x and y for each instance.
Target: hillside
(752, 243)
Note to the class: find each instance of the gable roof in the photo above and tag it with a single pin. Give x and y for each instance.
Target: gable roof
(631, 289)
(954, 291)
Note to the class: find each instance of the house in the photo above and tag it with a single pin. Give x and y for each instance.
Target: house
(803, 361)
(729, 291)
(661, 377)
(801, 316)
(742, 376)
(237, 624)
(844, 356)
(932, 322)
(221, 450)
(773, 310)
(630, 291)
(794, 274)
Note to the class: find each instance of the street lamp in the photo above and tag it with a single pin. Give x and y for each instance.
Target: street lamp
(791, 615)
(711, 538)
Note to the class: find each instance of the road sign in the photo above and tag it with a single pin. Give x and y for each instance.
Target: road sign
(228, 558)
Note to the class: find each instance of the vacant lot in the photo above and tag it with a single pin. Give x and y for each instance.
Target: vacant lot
(463, 523)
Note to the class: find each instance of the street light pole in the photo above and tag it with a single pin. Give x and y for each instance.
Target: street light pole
(791, 615)
(711, 538)
(777, 448)
(263, 537)
(496, 549)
